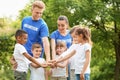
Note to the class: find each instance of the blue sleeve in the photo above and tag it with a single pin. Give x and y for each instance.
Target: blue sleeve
(53, 35)
(44, 32)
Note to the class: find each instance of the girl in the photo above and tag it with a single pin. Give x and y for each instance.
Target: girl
(60, 72)
(82, 52)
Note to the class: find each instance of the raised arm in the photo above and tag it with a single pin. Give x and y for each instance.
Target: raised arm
(53, 44)
(46, 46)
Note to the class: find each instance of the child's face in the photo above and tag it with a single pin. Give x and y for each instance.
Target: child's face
(74, 37)
(36, 52)
(22, 39)
(79, 38)
(60, 50)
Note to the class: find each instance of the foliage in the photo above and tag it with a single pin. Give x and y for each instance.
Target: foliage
(6, 50)
(101, 16)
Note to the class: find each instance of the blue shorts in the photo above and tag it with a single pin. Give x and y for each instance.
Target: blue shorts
(86, 76)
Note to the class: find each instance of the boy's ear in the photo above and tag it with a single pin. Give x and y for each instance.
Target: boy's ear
(18, 38)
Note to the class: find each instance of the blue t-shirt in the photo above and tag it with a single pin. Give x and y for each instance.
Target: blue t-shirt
(36, 29)
(58, 37)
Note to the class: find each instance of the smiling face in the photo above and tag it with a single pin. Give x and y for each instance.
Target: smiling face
(36, 52)
(22, 39)
(74, 37)
(60, 50)
(62, 26)
(37, 13)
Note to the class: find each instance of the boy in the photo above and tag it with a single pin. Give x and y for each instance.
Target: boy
(37, 73)
(21, 57)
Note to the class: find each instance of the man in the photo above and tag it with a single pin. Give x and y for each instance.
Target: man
(37, 29)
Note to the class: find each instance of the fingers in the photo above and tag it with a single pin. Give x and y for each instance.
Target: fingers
(81, 77)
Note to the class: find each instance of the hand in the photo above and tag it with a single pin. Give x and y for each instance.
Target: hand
(44, 65)
(14, 66)
(81, 76)
(52, 61)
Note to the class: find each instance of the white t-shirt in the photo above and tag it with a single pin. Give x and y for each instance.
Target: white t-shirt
(72, 59)
(59, 72)
(37, 73)
(80, 58)
(21, 60)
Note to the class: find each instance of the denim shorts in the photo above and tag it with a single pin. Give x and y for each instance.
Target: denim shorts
(86, 76)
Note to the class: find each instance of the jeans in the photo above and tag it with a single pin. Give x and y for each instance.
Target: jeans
(86, 76)
(68, 78)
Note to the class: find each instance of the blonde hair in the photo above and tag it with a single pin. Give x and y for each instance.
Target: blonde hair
(61, 44)
(39, 4)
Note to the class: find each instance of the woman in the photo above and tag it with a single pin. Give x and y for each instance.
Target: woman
(61, 34)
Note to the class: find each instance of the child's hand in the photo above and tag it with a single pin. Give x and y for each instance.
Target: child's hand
(14, 66)
(44, 65)
(81, 76)
(52, 61)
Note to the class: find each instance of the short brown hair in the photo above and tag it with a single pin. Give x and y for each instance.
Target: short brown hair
(36, 45)
(39, 4)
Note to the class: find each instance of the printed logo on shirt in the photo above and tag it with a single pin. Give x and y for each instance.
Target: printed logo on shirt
(31, 27)
(66, 40)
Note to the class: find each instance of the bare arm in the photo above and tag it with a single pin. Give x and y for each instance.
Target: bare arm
(33, 60)
(46, 46)
(87, 55)
(53, 44)
(13, 62)
(34, 65)
(66, 57)
(62, 65)
(46, 73)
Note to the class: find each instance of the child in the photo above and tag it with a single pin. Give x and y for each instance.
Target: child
(21, 57)
(82, 54)
(37, 73)
(72, 59)
(61, 70)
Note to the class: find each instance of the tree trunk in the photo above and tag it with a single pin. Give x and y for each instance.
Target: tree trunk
(117, 65)
(117, 51)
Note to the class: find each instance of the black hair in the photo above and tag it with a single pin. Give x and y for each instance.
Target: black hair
(20, 33)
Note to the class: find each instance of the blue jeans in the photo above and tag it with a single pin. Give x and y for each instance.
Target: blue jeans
(86, 76)
(68, 78)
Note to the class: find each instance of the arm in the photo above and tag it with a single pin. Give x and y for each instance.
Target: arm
(33, 60)
(66, 57)
(53, 48)
(13, 62)
(34, 65)
(62, 65)
(46, 73)
(87, 55)
(46, 46)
